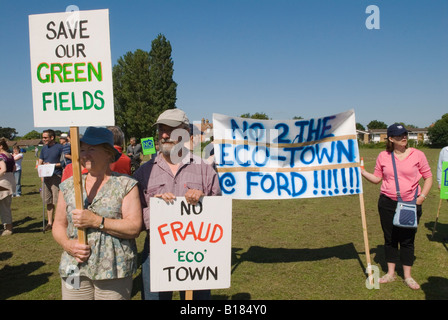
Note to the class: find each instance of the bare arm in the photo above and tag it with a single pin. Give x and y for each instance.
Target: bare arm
(72, 246)
(425, 190)
(370, 177)
(128, 227)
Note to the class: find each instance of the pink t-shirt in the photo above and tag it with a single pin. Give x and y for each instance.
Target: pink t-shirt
(410, 170)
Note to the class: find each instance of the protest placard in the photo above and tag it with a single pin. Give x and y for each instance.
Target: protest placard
(271, 159)
(148, 146)
(190, 246)
(45, 170)
(71, 69)
(71, 77)
(444, 181)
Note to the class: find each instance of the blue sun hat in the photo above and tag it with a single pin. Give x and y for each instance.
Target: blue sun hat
(98, 135)
(396, 130)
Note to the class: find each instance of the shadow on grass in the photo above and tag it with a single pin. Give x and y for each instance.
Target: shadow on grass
(22, 226)
(16, 280)
(277, 255)
(439, 231)
(436, 288)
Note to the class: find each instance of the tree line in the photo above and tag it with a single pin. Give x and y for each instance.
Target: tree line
(144, 87)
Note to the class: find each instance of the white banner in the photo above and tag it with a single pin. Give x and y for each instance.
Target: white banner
(71, 69)
(190, 246)
(272, 159)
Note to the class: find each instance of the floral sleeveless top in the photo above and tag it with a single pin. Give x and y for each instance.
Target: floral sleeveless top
(110, 257)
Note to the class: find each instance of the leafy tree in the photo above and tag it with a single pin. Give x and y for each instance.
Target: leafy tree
(143, 88)
(32, 135)
(162, 86)
(360, 127)
(257, 115)
(8, 133)
(375, 124)
(438, 133)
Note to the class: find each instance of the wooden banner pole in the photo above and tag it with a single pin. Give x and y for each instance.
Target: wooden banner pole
(437, 218)
(189, 295)
(366, 238)
(77, 179)
(364, 229)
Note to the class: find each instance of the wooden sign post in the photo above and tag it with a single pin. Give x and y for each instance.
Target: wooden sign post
(77, 179)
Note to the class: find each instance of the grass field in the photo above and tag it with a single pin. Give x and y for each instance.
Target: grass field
(289, 249)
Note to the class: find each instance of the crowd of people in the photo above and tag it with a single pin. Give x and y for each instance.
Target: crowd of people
(117, 188)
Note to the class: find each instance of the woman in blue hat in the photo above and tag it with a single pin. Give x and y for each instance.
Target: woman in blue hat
(103, 268)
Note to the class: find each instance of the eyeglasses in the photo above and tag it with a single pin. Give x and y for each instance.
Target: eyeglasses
(400, 137)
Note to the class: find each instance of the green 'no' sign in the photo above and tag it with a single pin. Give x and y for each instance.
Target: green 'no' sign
(444, 181)
(148, 146)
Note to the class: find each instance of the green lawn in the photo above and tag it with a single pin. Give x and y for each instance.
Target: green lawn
(289, 249)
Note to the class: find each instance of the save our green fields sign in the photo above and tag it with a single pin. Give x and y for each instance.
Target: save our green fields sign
(71, 69)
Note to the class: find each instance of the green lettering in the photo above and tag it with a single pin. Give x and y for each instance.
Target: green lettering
(85, 96)
(47, 76)
(62, 101)
(44, 100)
(56, 72)
(67, 72)
(99, 98)
(74, 107)
(55, 99)
(98, 73)
(78, 72)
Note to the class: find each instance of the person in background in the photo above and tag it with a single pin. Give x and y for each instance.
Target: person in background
(18, 157)
(123, 164)
(51, 154)
(7, 187)
(411, 165)
(168, 176)
(66, 157)
(443, 156)
(135, 152)
(112, 220)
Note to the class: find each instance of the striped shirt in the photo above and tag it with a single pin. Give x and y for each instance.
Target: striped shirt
(155, 177)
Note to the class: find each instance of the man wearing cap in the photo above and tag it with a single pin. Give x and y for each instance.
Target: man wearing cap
(66, 157)
(174, 172)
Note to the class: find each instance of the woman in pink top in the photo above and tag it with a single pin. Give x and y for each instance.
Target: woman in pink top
(411, 166)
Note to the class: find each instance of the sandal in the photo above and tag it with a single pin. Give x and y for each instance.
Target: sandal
(411, 283)
(387, 278)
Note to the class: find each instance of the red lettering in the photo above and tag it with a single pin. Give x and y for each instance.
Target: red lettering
(213, 233)
(163, 234)
(177, 230)
(179, 233)
(190, 231)
(200, 232)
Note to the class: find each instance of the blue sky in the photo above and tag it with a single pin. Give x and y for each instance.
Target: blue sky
(286, 58)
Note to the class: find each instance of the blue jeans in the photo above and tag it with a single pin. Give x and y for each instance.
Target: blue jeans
(18, 176)
(148, 295)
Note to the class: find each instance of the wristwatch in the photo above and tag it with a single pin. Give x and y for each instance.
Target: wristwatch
(102, 224)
